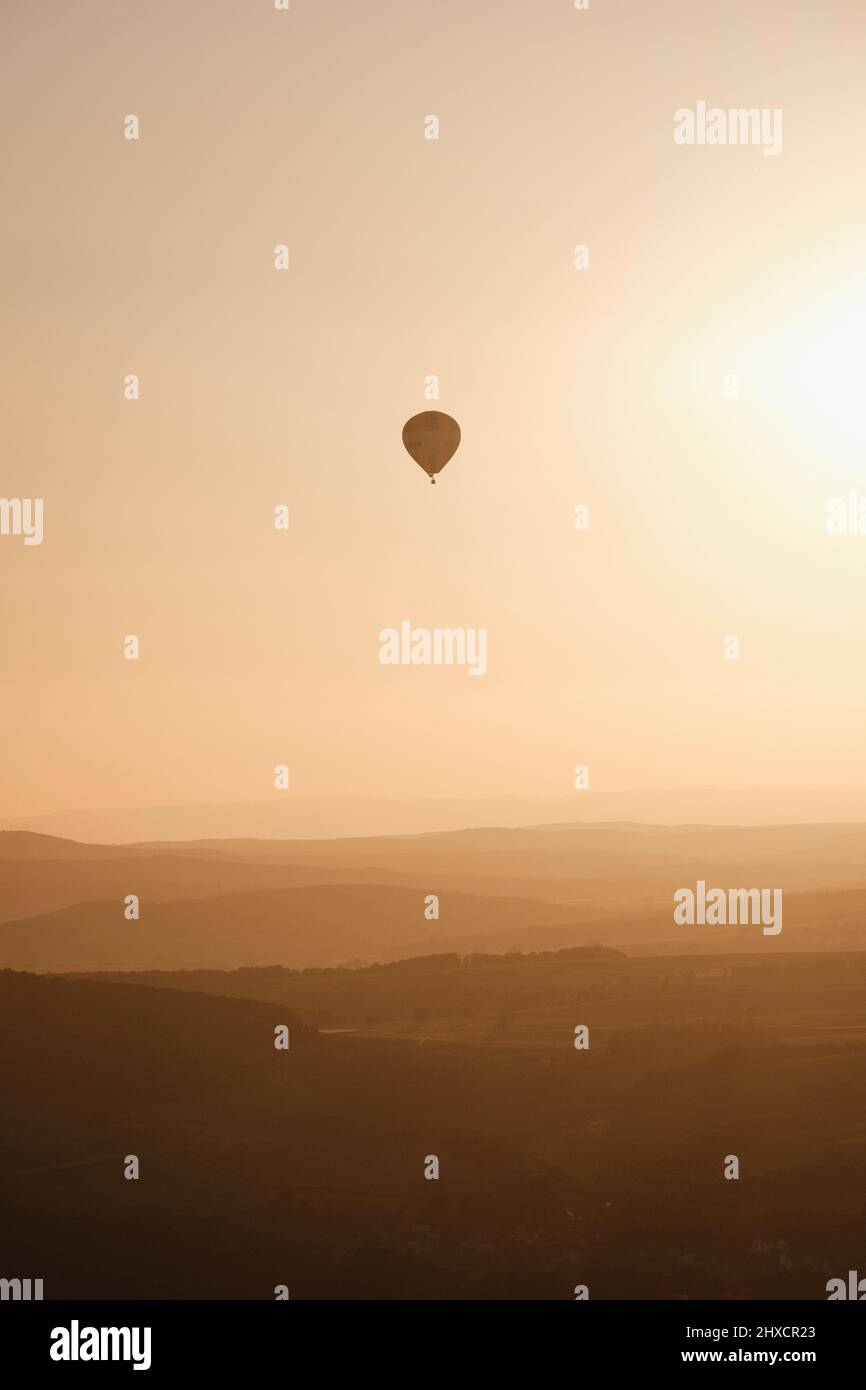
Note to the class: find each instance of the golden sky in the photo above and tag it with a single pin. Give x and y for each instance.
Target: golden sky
(408, 257)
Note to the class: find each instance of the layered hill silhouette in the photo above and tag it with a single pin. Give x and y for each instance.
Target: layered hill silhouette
(310, 927)
(221, 904)
(297, 927)
(604, 867)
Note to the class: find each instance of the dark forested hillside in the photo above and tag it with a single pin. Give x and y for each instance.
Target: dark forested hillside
(557, 1166)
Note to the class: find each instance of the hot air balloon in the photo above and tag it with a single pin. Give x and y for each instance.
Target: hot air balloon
(431, 438)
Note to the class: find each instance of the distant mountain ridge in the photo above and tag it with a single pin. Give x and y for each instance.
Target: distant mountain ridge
(324, 817)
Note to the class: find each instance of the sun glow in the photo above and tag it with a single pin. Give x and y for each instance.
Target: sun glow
(809, 374)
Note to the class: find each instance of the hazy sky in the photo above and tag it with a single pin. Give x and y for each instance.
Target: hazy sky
(604, 387)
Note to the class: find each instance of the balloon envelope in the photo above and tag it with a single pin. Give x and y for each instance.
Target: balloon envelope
(431, 438)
